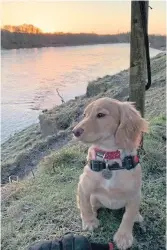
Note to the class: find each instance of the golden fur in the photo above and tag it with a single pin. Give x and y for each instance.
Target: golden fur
(120, 128)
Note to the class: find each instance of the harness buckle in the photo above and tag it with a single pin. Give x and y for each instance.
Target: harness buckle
(129, 164)
(114, 166)
(96, 165)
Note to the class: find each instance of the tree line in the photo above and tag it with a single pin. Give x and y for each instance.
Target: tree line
(24, 28)
(28, 36)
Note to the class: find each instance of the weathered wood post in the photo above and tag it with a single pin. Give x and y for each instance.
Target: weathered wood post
(137, 57)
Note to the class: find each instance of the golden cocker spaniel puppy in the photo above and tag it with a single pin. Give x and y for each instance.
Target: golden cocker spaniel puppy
(112, 178)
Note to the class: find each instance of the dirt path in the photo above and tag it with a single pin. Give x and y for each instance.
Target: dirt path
(29, 162)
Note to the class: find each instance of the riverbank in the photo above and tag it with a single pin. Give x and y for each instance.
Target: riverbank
(44, 207)
(22, 152)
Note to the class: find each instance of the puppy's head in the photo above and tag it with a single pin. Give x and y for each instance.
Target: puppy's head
(107, 117)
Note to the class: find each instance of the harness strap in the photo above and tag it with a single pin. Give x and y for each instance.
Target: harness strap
(128, 163)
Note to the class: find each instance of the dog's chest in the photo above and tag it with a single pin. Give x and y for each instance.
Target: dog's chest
(113, 183)
(110, 183)
(115, 192)
(121, 182)
(110, 198)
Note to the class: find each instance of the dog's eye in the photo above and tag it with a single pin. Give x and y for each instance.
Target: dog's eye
(100, 115)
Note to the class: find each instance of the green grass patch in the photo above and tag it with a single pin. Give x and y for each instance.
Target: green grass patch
(70, 155)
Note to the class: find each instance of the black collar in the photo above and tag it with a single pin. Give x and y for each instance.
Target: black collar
(128, 163)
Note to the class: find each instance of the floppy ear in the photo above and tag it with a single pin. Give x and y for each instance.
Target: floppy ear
(128, 134)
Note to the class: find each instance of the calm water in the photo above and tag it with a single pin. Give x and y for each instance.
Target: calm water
(30, 78)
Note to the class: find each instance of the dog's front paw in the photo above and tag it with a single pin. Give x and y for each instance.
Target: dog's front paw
(123, 240)
(139, 218)
(90, 225)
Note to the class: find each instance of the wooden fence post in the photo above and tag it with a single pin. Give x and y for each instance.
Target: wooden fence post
(137, 57)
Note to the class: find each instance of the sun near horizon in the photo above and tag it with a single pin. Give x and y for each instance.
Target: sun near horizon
(108, 17)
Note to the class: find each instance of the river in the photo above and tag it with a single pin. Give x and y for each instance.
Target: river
(30, 78)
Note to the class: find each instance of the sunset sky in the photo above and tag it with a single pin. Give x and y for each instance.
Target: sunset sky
(80, 16)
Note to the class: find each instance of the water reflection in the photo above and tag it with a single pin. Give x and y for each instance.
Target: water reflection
(30, 78)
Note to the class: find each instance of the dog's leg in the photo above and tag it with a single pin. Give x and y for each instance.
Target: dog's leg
(89, 220)
(123, 237)
(95, 204)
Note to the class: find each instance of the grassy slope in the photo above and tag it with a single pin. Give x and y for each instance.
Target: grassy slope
(25, 150)
(45, 207)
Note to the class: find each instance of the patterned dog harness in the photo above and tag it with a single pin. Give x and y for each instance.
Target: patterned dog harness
(128, 163)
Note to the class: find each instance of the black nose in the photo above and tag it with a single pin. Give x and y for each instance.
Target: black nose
(78, 132)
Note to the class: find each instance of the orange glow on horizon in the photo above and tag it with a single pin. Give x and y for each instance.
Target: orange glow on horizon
(45, 29)
(108, 17)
